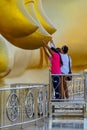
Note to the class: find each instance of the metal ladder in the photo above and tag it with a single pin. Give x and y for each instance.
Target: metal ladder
(66, 109)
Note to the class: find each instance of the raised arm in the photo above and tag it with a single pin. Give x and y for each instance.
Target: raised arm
(45, 46)
(52, 44)
(46, 51)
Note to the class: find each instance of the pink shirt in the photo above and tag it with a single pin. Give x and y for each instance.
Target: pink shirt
(55, 63)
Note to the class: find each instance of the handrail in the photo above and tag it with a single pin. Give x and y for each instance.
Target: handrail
(21, 86)
(73, 74)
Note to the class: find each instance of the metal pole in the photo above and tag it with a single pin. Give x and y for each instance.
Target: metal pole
(85, 94)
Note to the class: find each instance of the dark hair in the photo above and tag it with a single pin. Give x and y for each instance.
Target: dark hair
(58, 49)
(65, 49)
(53, 49)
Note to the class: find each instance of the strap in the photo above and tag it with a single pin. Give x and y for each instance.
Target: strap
(69, 64)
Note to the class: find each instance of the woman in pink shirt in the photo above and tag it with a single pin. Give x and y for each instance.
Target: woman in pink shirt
(55, 66)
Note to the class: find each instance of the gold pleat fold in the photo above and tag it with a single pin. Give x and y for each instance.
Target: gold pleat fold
(6, 59)
(33, 41)
(14, 20)
(42, 16)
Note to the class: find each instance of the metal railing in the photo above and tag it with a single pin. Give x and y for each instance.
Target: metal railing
(23, 103)
(68, 97)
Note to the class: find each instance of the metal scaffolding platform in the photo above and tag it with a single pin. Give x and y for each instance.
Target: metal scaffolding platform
(34, 107)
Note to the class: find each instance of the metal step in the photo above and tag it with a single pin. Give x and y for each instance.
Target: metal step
(67, 109)
(67, 114)
(66, 124)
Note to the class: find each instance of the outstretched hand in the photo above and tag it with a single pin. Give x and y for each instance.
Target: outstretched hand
(52, 44)
(47, 48)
